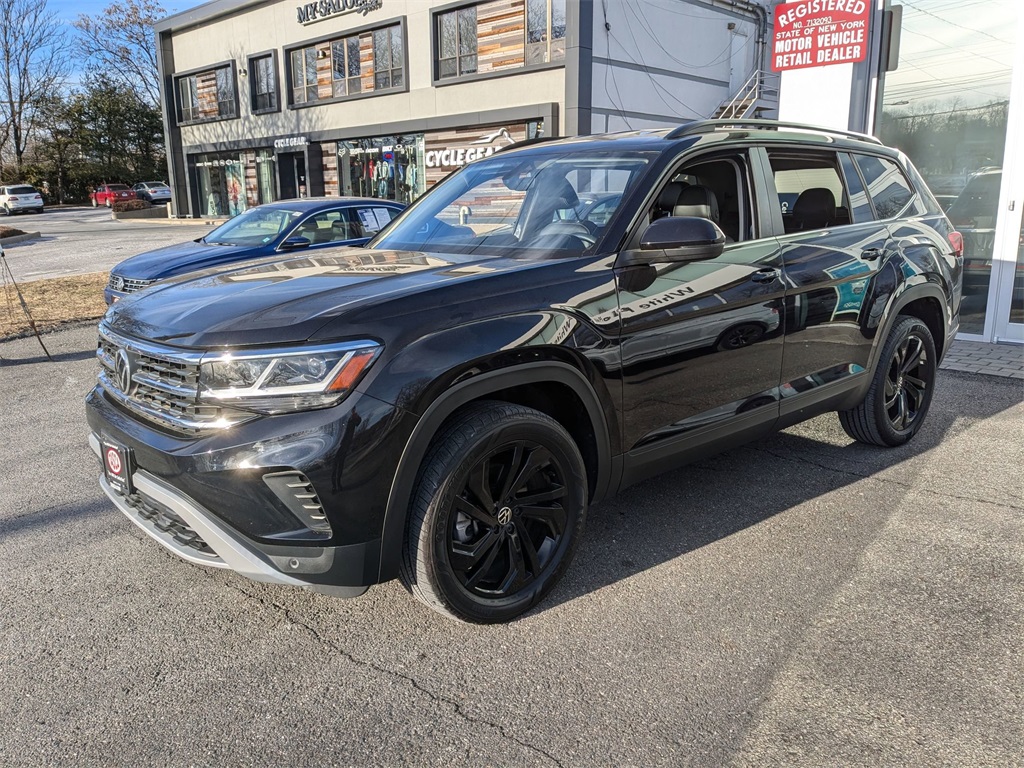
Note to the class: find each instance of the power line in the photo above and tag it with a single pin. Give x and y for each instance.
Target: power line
(954, 24)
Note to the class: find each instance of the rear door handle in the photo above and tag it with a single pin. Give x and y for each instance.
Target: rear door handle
(872, 254)
(767, 275)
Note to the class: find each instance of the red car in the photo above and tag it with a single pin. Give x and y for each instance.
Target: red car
(107, 194)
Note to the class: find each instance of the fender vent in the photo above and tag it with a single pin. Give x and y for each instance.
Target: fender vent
(297, 493)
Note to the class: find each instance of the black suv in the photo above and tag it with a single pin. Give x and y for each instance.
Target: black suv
(443, 406)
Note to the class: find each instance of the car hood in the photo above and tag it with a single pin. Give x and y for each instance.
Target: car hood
(177, 259)
(285, 301)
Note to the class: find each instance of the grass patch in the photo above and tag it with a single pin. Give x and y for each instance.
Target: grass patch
(10, 232)
(52, 302)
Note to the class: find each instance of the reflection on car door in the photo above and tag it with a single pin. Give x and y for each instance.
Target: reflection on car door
(701, 342)
(834, 252)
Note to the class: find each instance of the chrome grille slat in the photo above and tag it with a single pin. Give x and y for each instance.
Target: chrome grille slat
(127, 284)
(165, 385)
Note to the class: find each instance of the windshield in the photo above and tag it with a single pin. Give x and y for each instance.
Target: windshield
(155, 185)
(117, 187)
(255, 226)
(526, 204)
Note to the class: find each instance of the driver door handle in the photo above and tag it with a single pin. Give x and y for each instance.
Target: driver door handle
(766, 275)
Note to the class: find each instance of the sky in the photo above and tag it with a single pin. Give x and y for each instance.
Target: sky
(72, 9)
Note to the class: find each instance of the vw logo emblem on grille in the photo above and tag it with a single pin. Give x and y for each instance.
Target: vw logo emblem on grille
(123, 371)
(118, 283)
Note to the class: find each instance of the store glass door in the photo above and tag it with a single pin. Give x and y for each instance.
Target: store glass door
(1006, 305)
(953, 106)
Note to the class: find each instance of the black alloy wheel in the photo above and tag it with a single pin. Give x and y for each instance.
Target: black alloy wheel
(901, 390)
(498, 514)
(907, 382)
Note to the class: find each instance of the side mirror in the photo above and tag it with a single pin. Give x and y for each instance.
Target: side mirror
(676, 239)
(295, 242)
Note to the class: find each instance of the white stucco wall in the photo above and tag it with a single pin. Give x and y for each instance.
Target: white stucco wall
(674, 39)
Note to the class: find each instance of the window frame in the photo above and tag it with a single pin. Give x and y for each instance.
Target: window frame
(276, 79)
(440, 82)
(337, 36)
(191, 75)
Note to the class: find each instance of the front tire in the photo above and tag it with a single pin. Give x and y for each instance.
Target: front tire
(901, 391)
(499, 509)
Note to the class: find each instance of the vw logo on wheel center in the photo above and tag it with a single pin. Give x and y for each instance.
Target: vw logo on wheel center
(505, 515)
(123, 371)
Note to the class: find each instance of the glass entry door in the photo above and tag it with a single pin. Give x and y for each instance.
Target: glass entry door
(1006, 307)
(954, 106)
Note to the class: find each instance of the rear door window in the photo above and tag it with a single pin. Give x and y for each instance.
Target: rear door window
(810, 188)
(372, 220)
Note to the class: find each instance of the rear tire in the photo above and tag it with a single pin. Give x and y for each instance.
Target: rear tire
(94, 203)
(901, 390)
(499, 509)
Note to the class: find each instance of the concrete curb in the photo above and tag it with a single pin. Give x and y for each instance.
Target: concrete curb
(19, 238)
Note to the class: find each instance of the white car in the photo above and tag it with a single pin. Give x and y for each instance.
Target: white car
(20, 197)
(153, 191)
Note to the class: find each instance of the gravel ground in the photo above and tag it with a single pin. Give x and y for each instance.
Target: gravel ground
(803, 601)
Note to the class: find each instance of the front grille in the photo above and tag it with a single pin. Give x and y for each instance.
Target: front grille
(163, 386)
(169, 522)
(127, 284)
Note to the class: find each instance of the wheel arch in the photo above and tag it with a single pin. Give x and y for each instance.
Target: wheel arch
(538, 385)
(925, 301)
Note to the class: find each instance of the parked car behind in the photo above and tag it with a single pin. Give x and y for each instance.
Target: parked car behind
(17, 198)
(153, 191)
(266, 230)
(108, 194)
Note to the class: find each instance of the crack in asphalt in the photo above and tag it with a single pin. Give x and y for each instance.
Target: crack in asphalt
(436, 697)
(886, 481)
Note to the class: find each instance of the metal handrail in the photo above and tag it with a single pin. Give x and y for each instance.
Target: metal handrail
(707, 126)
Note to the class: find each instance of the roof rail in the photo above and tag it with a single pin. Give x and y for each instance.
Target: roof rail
(529, 142)
(695, 127)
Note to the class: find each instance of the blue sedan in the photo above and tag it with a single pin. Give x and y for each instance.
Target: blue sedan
(266, 230)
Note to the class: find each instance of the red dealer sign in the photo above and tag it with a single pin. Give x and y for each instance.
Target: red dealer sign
(817, 33)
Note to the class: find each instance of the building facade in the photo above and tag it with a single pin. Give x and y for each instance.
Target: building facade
(273, 99)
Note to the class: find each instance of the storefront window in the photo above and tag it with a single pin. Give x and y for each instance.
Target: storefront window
(545, 31)
(221, 180)
(946, 106)
(385, 167)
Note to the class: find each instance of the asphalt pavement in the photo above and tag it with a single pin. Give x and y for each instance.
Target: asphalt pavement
(802, 601)
(75, 241)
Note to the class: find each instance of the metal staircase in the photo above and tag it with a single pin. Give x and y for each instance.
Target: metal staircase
(758, 97)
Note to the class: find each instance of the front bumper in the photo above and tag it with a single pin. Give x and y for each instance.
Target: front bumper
(196, 535)
(215, 485)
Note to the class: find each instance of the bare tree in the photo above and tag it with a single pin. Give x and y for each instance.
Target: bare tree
(119, 42)
(33, 65)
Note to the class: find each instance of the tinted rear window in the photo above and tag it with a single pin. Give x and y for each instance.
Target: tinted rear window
(21, 190)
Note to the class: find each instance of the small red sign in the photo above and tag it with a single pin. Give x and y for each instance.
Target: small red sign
(113, 461)
(819, 33)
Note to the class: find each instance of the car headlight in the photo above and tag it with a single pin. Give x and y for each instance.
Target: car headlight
(280, 381)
